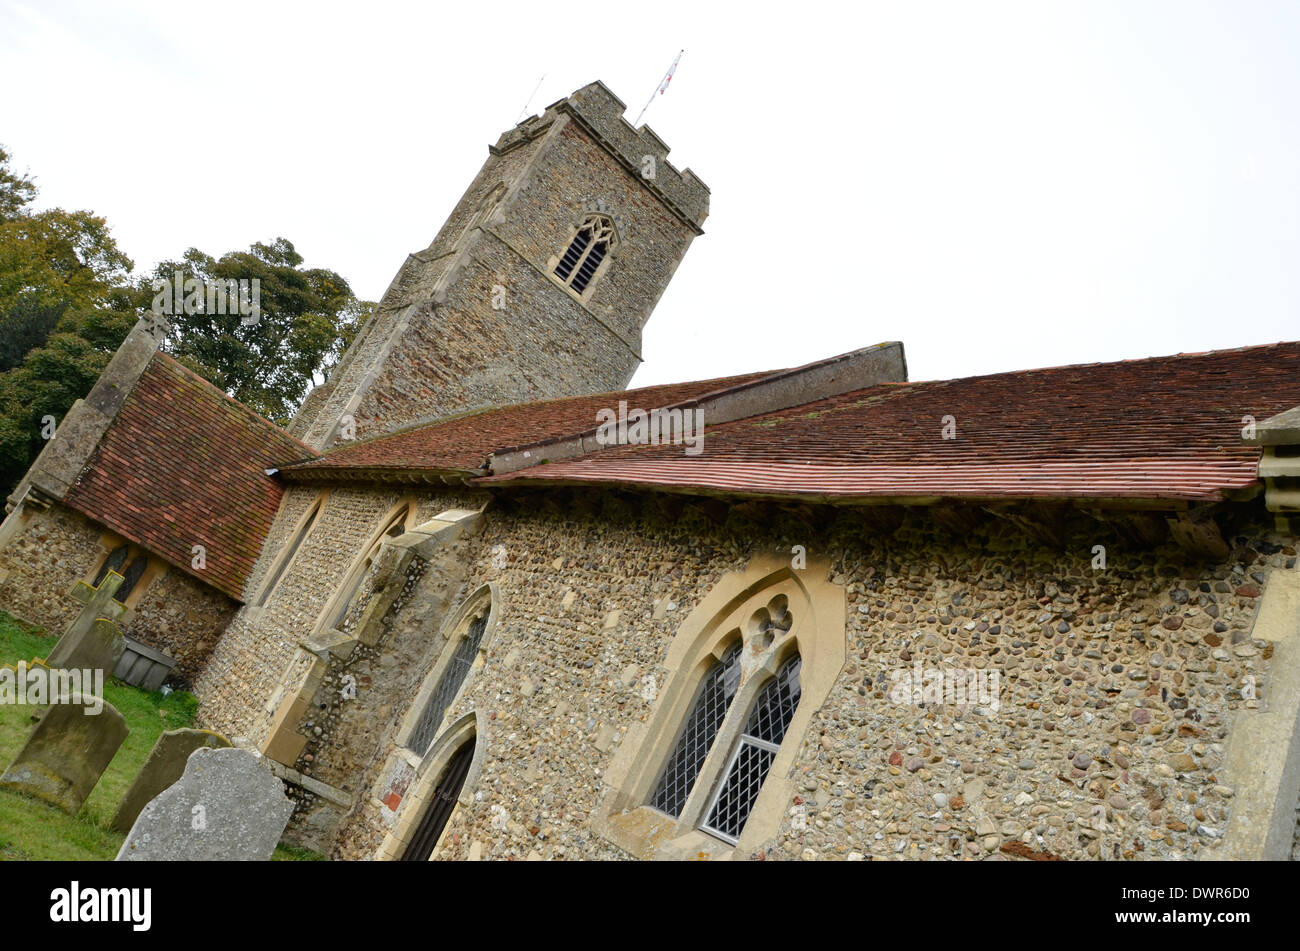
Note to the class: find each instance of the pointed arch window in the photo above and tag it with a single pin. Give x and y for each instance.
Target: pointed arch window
(717, 691)
(299, 537)
(396, 526)
(712, 771)
(758, 745)
(453, 678)
(129, 562)
(589, 247)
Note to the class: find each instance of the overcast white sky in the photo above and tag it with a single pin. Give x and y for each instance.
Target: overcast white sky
(998, 185)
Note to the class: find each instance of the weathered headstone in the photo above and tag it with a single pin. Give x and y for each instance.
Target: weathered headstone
(165, 765)
(92, 641)
(226, 806)
(67, 751)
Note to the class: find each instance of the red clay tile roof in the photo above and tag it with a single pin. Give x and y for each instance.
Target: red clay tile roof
(463, 443)
(1159, 428)
(184, 465)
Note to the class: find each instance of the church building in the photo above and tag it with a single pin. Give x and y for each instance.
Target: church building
(479, 601)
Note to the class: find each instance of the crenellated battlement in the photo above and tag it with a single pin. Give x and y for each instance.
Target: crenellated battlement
(601, 113)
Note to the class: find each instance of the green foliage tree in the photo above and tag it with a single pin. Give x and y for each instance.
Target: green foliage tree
(307, 318)
(16, 191)
(68, 299)
(53, 263)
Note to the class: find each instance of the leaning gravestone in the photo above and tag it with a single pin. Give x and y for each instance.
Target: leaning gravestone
(165, 765)
(92, 641)
(226, 806)
(67, 751)
(97, 648)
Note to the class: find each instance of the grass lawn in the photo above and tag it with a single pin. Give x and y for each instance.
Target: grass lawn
(31, 829)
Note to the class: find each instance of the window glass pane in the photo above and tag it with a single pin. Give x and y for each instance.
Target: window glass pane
(131, 577)
(697, 736)
(114, 562)
(775, 705)
(773, 710)
(739, 790)
(448, 685)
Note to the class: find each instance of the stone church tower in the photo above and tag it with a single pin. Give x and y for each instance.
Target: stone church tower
(536, 287)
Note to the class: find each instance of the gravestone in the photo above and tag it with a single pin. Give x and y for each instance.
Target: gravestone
(165, 765)
(92, 641)
(67, 751)
(226, 806)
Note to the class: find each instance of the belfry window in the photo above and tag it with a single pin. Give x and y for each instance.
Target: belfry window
(587, 250)
(768, 720)
(697, 736)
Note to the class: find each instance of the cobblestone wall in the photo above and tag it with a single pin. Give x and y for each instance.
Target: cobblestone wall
(57, 547)
(51, 551)
(259, 656)
(182, 618)
(1118, 686)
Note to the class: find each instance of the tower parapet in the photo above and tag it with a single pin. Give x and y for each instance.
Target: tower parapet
(601, 112)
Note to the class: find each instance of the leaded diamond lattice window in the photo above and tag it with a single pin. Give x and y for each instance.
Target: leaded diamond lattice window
(449, 684)
(768, 720)
(710, 709)
(589, 246)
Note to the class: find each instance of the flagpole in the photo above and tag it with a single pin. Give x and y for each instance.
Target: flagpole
(530, 100)
(660, 88)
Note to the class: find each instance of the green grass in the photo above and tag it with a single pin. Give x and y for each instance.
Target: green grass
(31, 829)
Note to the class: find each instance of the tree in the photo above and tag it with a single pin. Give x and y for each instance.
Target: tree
(52, 263)
(306, 319)
(68, 300)
(41, 391)
(16, 191)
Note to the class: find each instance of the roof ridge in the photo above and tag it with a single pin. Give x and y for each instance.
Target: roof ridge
(1182, 355)
(505, 407)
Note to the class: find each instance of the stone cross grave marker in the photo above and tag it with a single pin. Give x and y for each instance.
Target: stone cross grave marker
(226, 806)
(67, 751)
(92, 641)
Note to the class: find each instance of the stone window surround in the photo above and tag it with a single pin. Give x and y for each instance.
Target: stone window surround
(819, 636)
(355, 575)
(615, 248)
(155, 568)
(283, 564)
(457, 626)
(428, 772)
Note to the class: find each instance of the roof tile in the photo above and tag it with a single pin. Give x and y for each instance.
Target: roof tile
(182, 465)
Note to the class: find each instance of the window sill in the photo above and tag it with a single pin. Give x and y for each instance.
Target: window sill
(648, 834)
